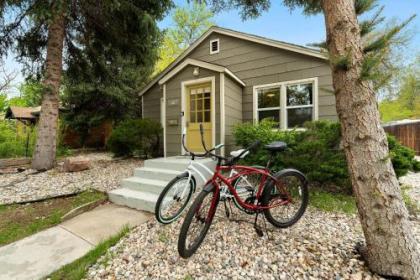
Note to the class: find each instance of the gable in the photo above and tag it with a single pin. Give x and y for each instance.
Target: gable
(204, 43)
(239, 56)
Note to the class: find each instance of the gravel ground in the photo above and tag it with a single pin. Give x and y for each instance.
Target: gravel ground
(413, 180)
(104, 175)
(319, 246)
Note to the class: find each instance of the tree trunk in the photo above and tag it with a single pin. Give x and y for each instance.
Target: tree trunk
(391, 248)
(46, 143)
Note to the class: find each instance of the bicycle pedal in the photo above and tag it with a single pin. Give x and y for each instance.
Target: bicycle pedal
(259, 231)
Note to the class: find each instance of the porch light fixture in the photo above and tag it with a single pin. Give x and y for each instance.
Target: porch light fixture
(196, 71)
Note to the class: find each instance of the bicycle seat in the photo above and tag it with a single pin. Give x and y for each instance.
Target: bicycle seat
(276, 146)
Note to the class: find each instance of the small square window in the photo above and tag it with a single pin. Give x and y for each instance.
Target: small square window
(214, 46)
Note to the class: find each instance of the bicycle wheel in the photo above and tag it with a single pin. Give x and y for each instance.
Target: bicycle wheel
(291, 196)
(174, 198)
(197, 223)
(246, 187)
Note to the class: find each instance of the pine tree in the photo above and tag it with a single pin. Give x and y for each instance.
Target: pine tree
(46, 33)
(391, 248)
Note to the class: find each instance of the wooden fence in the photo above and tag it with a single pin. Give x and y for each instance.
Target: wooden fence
(408, 133)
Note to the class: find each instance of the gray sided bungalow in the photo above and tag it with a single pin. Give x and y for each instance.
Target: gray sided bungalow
(228, 77)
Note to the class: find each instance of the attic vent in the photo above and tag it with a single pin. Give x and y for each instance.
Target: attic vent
(214, 46)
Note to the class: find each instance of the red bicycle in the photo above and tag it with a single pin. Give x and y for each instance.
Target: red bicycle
(282, 197)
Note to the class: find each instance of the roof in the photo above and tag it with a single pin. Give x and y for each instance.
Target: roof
(29, 113)
(245, 36)
(202, 64)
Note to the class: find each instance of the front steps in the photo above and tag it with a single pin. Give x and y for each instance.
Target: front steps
(142, 190)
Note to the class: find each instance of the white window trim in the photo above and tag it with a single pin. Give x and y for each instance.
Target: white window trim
(184, 86)
(283, 107)
(163, 118)
(222, 112)
(218, 46)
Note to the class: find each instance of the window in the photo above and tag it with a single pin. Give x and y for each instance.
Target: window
(289, 104)
(214, 46)
(200, 105)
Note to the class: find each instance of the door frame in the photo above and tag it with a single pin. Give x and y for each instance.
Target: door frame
(184, 86)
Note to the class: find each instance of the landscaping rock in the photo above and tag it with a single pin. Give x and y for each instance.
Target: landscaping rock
(320, 246)
(104, 175)
(75, 164)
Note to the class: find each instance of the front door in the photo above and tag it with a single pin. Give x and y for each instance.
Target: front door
(198, 110)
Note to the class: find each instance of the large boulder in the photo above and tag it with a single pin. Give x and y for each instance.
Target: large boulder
(74, 164)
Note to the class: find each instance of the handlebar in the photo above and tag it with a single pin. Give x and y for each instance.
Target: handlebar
(229, 161)
(207, 152)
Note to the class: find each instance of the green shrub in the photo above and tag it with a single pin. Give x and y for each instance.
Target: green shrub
(13, 142)
(402, 157)
(136, 137)
(315, 151)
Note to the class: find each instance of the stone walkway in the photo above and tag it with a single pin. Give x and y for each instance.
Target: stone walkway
(39, 255)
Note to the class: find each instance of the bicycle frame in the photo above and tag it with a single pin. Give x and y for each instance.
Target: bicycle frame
(191, 169)
(242, 170)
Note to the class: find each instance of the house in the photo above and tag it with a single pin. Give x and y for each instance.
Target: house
(26, 115)
(228, 77)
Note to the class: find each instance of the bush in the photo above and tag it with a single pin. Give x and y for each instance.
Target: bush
(136, 137)
(13, 140)
(402, 157)
(315, 151)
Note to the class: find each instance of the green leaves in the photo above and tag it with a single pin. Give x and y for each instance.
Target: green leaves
(363, 6)
(189, 24)
(341, 63)
(136, 137)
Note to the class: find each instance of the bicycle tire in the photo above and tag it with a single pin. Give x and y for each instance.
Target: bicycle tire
(269, 191)
(183, 251)
(158, 207)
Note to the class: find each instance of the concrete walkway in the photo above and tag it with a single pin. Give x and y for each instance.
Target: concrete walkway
(38, 255)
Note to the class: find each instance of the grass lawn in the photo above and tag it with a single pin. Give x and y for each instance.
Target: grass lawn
(78, 268)
(332, 202)
(20, 220)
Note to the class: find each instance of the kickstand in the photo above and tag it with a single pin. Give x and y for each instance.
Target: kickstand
(227, 211)
(257, 228)
(265, 228)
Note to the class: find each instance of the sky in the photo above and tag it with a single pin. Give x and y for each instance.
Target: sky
(292, 26)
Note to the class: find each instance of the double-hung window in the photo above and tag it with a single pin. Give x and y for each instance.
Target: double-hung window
(288, 104)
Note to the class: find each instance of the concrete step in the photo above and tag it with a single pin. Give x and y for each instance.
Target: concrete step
(156, 173)
(144, 185)
(167, 164)
(134, 199)
(175, 163)
(142, 190)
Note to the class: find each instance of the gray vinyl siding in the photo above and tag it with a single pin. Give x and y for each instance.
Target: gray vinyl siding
(257, 64)
(151, 104)
(233, 111)
(173, 112)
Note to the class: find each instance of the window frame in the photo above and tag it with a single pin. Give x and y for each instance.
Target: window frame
(218, 46)
(283, 100)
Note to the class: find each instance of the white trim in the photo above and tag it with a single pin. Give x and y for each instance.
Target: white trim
(142, 107)
(227, 71)
(222, 112)
(218, 46)
(202, 64)
(184, 85)
(248, 37)
(163, 118)
(283, 107)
